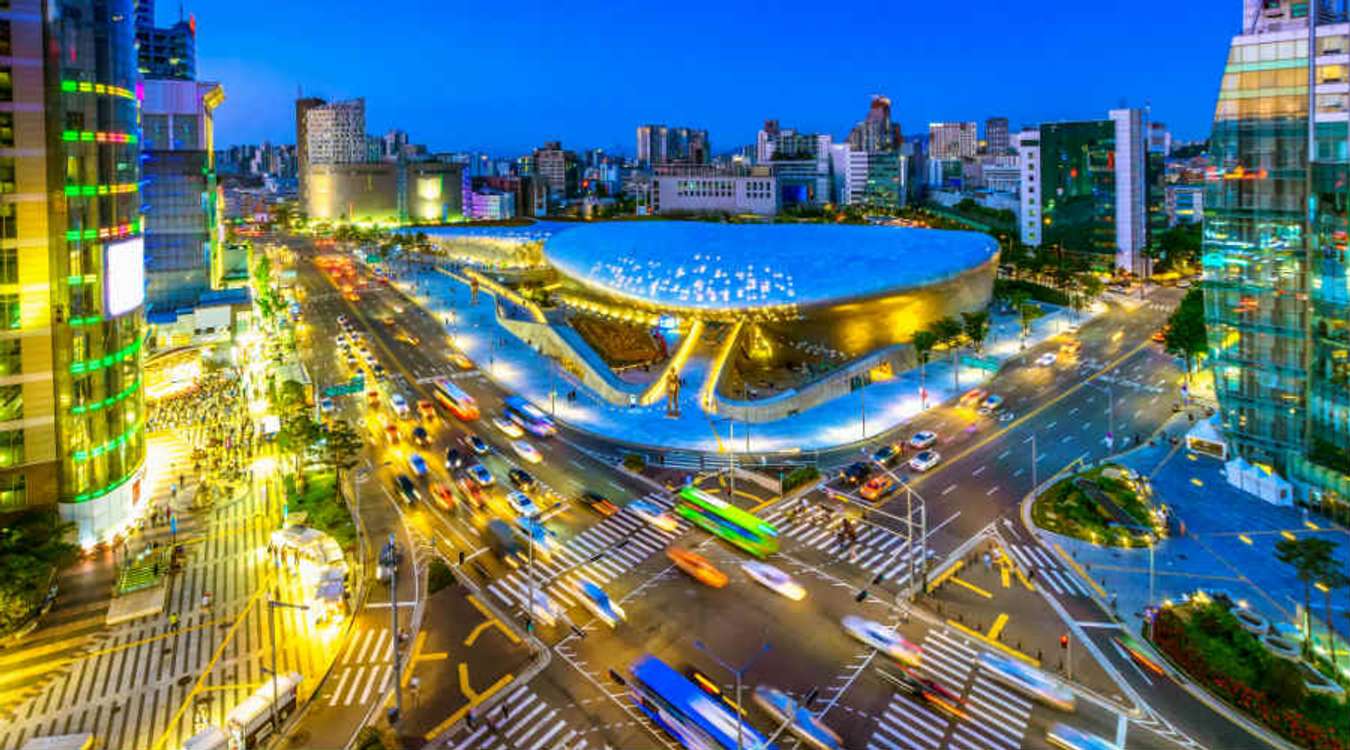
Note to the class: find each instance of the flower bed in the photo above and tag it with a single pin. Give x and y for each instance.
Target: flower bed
(1207, 641)
(1069, 507)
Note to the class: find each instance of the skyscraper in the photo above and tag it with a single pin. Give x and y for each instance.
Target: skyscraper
(72, 277)
(1277, 292)
(335, 133)
(876, 132)
(664, 144)
(952, 140)
(996, 135)
(302, 107)
(167, 52)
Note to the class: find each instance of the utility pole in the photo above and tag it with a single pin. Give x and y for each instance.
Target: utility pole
(389, 557)
(1034, 486)
(272, 604)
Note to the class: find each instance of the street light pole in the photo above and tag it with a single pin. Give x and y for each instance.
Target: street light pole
(272, 604)
(1034, 487)
(738, 674)
(391, 557)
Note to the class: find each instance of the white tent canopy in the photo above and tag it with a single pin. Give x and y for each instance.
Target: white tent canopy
(1205, 438)
(1259, 481)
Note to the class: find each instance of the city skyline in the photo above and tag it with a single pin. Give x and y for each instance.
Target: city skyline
(590, 100)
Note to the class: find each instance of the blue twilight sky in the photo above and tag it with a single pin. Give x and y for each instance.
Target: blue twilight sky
(506, 75)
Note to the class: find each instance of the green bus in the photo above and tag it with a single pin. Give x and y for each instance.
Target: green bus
(727, 521)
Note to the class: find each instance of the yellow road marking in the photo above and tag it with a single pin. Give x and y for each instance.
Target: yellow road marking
(153, 638)
(1000, 622)
(1004, 578)
(478, 630)
(761, 506)
(473, 702)
(747, 495)
(948, 573)
(972, 587)
(915, 481)
(1079, 570)
(493, 619)
(1009, 650)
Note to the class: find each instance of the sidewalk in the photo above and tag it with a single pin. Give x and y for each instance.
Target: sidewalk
(852, 417)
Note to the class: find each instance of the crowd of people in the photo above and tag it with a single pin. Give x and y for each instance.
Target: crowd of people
(212, 417)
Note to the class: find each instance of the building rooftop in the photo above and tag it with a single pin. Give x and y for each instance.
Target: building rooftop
(719, 267)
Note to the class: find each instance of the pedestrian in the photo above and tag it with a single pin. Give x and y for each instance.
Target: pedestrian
(173, 621)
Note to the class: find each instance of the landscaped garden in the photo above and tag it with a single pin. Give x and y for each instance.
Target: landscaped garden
(1105, 505)
(1205, 639)
(322, 507)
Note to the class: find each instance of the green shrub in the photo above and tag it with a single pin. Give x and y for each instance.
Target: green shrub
(800, 476)
(439, 576)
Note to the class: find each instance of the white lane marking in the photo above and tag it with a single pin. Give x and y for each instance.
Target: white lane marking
(949, 489)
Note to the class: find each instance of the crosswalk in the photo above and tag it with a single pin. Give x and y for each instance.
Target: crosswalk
(364, 669)
(996, 718)
(879, 551)
(521, 721)
(1046, 570)
(571, 560)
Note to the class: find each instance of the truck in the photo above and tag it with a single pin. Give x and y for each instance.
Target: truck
(498, 535)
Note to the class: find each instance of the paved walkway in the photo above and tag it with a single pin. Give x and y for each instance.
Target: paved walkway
(852, 417)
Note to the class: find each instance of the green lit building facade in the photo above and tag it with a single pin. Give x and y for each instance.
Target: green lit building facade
(1078, 182)
(71, 263)
(1277, 294)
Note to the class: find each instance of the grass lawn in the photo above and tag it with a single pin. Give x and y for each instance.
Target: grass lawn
(325, 510)
(1208, 643)
(1067, 508)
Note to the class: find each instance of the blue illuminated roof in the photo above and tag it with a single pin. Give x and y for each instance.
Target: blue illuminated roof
(686, 264)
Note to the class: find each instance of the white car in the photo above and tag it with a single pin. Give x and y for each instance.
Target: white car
(399, 404)
(925, 460)
(544, 609)
(480, 475)
(881, 638)
(598, 602)
(774, 579)
(545, 542)
(922, 440)
(654, 515)
(326, 406)
(521, 503)
(991, 404)
(507, 426)
(1047, 359)
(526, 451)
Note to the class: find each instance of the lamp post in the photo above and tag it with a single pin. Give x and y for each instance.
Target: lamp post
(738, 674)
(272, 604)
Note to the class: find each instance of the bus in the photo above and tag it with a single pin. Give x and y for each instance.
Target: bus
(694, 718)
(719, 517)
(529, 417)
(455, 400)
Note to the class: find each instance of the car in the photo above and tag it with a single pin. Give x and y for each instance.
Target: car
(472, 492)
(520, 478)
(443, 496)
(409, 339)
(544, 609)
(774, 579)
(509, 428)
(597, 502)
(461, 361)
(352, 362)
(885, 455)
(798, 719)
(391, 433)
(972, 398)
(925, 689)
(1046, 360)
(857, 473)
(1028, 680)
(923, 439)
(654, 515)
(525, 450)
(426, 409)
(327, 406)
(1160, 335)
(992, 403)
(545, 542)
(417, 464)
(420, 436)
(697, 567)
(342, 320)
(453, 459)
(925, 460)
(478, 445)
(521, 503)
(883, 639)
(598, 602)
(377, 370)
(406, 489)
(373, 399)
(388, 321)
(480, 475)
(1071, 348)
(877, 487)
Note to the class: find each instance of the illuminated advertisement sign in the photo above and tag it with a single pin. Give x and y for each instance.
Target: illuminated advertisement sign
(123, 276)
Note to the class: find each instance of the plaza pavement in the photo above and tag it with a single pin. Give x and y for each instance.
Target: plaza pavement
(852, 417)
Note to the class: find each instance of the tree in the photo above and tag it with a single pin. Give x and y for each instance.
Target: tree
(1312, 558)
(1186, 336)
(923, 343)
(949, 333)
(342, 448)
(1028, 312)
(1332, 578)
(976, 325)
(33, 546)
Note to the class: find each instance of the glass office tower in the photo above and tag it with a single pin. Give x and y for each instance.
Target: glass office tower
(71, 262)
(1275, 245)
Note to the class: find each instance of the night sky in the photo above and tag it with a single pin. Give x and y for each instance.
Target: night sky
(506, 76)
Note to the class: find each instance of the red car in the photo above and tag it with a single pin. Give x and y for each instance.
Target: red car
(443, 496)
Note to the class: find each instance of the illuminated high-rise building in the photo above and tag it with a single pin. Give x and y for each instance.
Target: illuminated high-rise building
(1276, 280)
(876, 132)
(72, 275)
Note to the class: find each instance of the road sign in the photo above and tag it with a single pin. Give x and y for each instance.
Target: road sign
(356, 385)
(988, 364)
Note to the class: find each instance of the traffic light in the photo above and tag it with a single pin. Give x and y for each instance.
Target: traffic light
(1064, 641)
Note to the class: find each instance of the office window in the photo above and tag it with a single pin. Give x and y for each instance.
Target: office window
(6, 129)
(7, 174)
(11, 448)
(6, 84)
(5, 48)
(13, 487)
(9, 220)
(11, 357)
(10, 311)
(11, 402)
